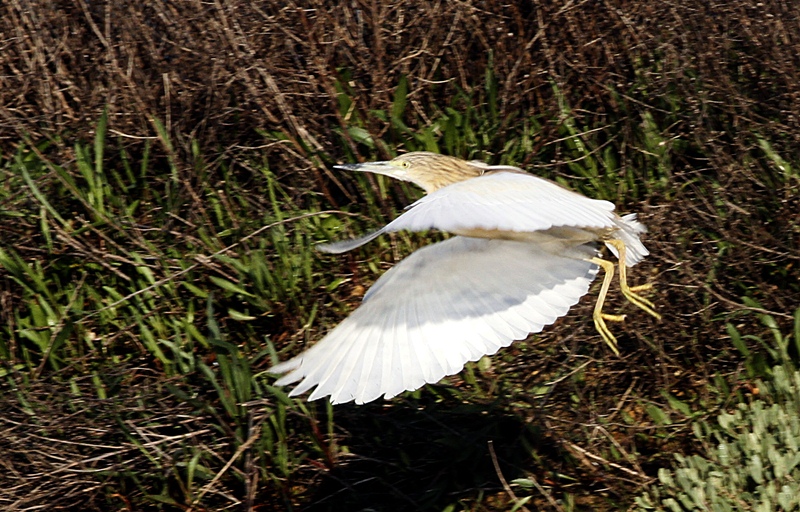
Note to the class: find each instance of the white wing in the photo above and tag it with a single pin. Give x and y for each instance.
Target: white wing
(498, 201)
(512, 202)
(504, 201)
(446, 304)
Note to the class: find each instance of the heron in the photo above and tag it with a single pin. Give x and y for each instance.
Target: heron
(525, 251)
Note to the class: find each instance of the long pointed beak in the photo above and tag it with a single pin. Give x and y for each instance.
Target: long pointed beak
(366, 166)
(384, 168)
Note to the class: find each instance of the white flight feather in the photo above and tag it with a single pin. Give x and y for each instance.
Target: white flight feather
(444, 305)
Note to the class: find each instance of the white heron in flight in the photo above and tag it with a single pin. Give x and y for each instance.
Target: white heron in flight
(525, 252)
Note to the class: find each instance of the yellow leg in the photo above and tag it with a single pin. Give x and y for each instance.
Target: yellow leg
(600, 317)
(628, 291)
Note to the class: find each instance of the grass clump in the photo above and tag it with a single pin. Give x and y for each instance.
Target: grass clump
(148, 312)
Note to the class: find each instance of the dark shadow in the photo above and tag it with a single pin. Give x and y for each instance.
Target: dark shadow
(424, 456)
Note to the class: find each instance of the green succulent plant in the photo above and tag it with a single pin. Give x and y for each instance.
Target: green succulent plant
(753, 462)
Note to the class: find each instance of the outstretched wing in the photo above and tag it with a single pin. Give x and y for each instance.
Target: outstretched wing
(498, 200)
(446, 304)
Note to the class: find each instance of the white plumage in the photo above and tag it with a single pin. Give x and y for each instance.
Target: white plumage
(526, 254)
(446, 304)
(521, 205)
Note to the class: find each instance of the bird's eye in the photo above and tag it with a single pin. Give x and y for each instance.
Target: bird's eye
(406, 164)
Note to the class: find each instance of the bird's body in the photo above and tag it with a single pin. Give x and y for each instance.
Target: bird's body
(524, 254)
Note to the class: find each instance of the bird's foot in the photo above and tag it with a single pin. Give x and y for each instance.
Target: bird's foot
(638, 300)
(602, 328)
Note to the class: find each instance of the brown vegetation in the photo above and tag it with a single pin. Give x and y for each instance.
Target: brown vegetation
(217, 72)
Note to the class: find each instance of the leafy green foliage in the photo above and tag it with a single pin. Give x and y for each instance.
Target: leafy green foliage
(751, 459)
(774, 348)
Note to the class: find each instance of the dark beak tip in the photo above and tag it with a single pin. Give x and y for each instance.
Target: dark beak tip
(346, 167)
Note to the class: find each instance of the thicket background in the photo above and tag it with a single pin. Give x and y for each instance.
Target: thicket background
(161, 166)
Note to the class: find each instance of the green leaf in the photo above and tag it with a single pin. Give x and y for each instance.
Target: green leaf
(241, 317)
(229, 286)
(195, 290)
(400, 99)
(35, 190)
(525, 483)
(361, 135)
(521, 503)
(676, 404)
(737, 341)
(658, 415)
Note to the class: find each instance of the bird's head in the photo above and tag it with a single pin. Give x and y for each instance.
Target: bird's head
(430, 171)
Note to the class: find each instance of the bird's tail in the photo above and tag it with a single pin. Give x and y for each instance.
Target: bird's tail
(628, 233)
